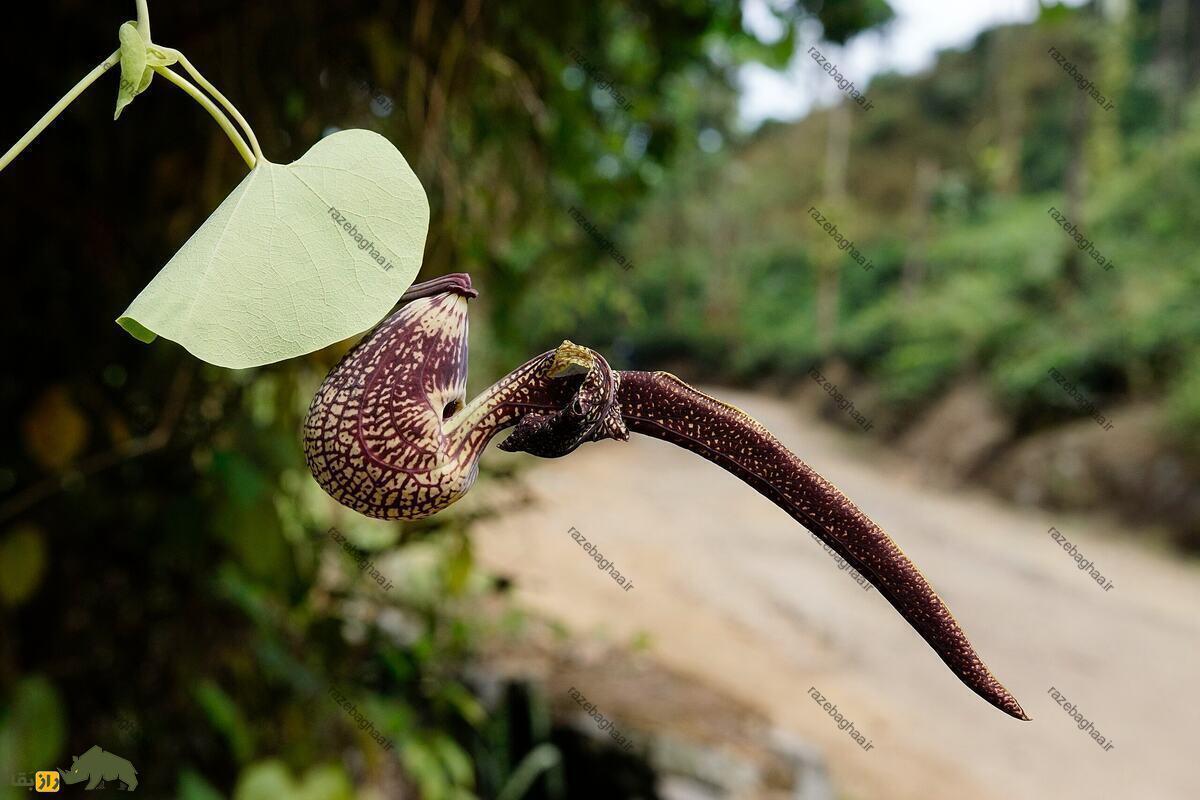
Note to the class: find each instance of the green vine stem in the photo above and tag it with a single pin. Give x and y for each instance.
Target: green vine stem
(251, 153)
(216, 113)
(212, 90)
(143, 20)
(101, 68)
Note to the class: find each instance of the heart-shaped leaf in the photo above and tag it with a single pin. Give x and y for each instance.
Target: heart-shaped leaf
(296, 258)
(135, 71)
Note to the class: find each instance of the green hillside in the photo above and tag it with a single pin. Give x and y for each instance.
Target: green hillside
(964, 275)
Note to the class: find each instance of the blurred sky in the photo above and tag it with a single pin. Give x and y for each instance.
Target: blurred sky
(909, 44)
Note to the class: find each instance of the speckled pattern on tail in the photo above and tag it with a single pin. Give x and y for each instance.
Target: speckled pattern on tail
(660, 405)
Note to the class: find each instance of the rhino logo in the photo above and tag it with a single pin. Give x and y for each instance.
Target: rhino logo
(98, 767)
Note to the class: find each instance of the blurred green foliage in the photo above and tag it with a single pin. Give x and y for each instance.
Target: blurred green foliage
(947, 186)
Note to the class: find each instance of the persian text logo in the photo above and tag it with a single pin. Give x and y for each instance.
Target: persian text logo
(42, 781)
(47, 781)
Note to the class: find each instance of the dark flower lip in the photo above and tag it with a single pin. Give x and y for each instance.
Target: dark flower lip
(456, 282)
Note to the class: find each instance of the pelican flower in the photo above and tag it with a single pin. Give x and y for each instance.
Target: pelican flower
(391, 435)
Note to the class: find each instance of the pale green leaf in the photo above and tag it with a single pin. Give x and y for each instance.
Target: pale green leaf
(272, 274)
(135, 72)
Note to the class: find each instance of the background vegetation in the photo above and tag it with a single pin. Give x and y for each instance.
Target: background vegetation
(167, 588)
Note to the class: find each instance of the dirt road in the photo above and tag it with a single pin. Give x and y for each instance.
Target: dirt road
(731, 590)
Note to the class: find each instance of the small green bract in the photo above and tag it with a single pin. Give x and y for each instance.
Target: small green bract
(135, 70)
